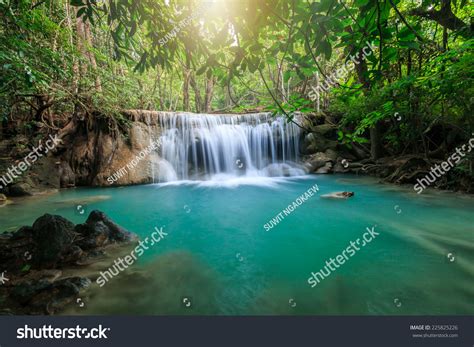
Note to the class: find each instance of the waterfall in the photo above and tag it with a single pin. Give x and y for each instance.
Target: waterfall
(204, 146)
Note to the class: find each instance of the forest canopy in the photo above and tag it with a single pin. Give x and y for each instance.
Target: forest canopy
(84, 58)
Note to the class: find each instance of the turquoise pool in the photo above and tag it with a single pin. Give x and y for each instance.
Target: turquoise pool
(218, 259)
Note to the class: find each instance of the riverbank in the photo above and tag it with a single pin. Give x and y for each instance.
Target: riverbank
(323, 153)
(91, 156)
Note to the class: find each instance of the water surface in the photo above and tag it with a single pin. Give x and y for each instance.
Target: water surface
(218, 255)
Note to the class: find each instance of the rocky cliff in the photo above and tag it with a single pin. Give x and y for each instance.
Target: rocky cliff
(89, 152)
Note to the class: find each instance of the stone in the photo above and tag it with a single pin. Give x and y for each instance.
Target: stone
(32, 257)
(318, 160)
(67, 178)
(313, 143)
(53, 236)
(326, 130)
(55, 296)
(327, 168)
(331, 154)
(100, 230)
(20, 189)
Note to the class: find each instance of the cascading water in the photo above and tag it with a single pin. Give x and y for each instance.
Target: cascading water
(204, 146)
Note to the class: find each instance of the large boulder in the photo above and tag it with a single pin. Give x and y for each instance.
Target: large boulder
(320, 160)
(99, 230)
(53, 236)
(42, 176)
(326, 130)
(331, 154)
(327, 168)
(319, 141)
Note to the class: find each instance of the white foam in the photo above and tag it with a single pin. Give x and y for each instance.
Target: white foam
(232, 181)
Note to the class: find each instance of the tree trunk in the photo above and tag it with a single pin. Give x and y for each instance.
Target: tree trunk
(75, 66)
(80, 40)
(186, 79)
(209, 94)
(446, 18)
(197, 94)
(91, 56)
(376, 149)
(84, 41)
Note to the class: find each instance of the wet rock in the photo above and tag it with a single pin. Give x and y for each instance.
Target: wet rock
(39, 178)
(23, 232)
(326, 130)
(284, 170)
(59, 294)
(122, 152)
(327, 168)
(46, 296)
(53, 236)
(99, 229)
(75, 255)
(331, 154)
(13, 247)
(318, 160)
(32, 255)
(67, 178)
(20, 189)
(342, 165)
(49, 275)
(25, 291)
(339, 168)
(321, 138)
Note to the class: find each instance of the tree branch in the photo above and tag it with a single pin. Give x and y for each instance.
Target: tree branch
(445, 17)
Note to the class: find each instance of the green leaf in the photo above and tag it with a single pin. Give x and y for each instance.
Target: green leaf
(81, 12)
(77, 3)
(325, 47)
(201, 70)
(361, 3)
(410, 44)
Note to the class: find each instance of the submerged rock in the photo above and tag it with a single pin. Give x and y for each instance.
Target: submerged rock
(48, 297)
(284, 170)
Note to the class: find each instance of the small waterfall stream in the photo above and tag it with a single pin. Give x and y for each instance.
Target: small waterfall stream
(205, 146)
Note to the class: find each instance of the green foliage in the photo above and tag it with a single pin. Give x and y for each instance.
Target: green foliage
(246, 54)
(439, 93)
